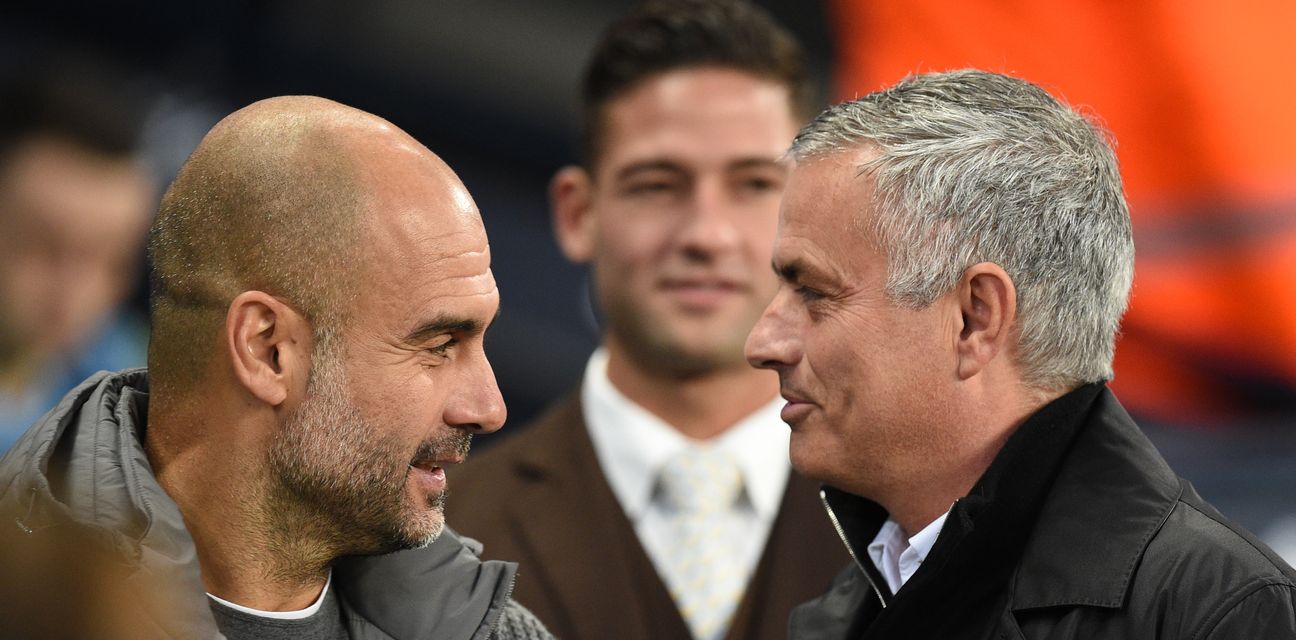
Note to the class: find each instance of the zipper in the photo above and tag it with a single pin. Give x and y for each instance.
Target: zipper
(841, 533)
(504, 602)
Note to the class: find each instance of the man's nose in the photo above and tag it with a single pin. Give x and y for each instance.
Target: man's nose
(772, 343)
(710, 226)
(478, 406)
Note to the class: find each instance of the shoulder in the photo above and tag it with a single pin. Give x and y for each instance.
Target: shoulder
(1215, 572)
(1197, 540)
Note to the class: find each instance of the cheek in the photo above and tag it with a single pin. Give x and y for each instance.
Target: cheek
(635, 234)
(838, 357)
(391, 401)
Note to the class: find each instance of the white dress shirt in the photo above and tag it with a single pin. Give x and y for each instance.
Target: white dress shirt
(899, 558)
(632, 444)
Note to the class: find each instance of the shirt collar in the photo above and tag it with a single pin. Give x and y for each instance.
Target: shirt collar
(632, 444)
(897, 558)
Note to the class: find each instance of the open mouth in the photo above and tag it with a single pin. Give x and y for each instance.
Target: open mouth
(434, 455)
(430, 475)
(430, 471)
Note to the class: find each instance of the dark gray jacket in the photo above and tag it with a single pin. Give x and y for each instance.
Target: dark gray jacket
(83, 469)
(1079, 529)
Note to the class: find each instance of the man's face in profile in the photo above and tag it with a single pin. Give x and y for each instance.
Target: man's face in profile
(863, 375)
(399, 391)
(685, 201)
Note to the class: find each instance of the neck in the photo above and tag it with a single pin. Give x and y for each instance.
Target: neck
(252, 551)
(976, 437)
(918, 504)
(700, 406)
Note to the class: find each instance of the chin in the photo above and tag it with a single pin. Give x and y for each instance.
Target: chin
(810, 461)
(418, 527)
(427, 538)
(416, 535)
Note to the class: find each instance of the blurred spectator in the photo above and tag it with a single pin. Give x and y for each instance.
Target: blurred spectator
(74, 207)
(658, 498)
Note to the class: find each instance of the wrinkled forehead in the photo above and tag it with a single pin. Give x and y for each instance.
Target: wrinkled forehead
(826, 192)
(826, 209)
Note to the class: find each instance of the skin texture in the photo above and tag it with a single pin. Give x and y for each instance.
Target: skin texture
(678, 218)
(74, 224)
(904, 406)
(298, 452)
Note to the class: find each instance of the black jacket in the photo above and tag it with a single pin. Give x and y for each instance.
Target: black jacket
(1078, 529)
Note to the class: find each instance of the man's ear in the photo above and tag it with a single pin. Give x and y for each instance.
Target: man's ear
(571, 196)
(269, 346)
(988, 306)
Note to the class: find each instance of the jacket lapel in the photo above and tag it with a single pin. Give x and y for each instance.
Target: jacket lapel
(582, 546)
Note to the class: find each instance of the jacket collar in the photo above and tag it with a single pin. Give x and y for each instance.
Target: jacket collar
(972, 565)
(440, 591)
(1112, 494)
(1003, 501)
(1082, 542)
(83, 469)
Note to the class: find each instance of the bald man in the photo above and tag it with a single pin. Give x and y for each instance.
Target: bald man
(321, 288)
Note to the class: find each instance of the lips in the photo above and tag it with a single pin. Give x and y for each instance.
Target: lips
(797, 407)
(431, 478)
(701, 291)
(433, 456)
(792, 396)
(701, 282)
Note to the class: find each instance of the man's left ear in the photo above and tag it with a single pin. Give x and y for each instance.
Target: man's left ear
(269, 345)
(988, 306)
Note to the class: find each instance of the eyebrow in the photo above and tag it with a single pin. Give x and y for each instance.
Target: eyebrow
(674, 167)
(759, 163)
(448, 324)
(789, 271)
(645, 166)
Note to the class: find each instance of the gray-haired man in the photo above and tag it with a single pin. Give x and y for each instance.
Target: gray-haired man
(955, 255)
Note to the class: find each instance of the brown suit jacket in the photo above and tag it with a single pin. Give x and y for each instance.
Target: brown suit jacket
(540, 499)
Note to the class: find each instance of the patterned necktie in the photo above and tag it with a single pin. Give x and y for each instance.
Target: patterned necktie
(706, 578)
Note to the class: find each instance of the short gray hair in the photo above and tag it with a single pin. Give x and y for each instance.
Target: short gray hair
(981, 167)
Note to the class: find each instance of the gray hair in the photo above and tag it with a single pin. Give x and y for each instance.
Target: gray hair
(979, 167)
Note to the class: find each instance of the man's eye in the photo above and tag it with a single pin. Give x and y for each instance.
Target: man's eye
(760, 184)
(443, 348)
(649, 188)
(809, 294)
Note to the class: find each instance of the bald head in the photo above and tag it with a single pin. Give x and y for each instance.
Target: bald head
(278, 197)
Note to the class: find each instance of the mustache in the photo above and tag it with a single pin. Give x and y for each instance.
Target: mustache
(454, 445)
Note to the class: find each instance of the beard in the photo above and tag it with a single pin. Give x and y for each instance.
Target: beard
(345, 476)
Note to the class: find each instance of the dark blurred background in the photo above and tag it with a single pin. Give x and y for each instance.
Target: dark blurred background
(1194, 92)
